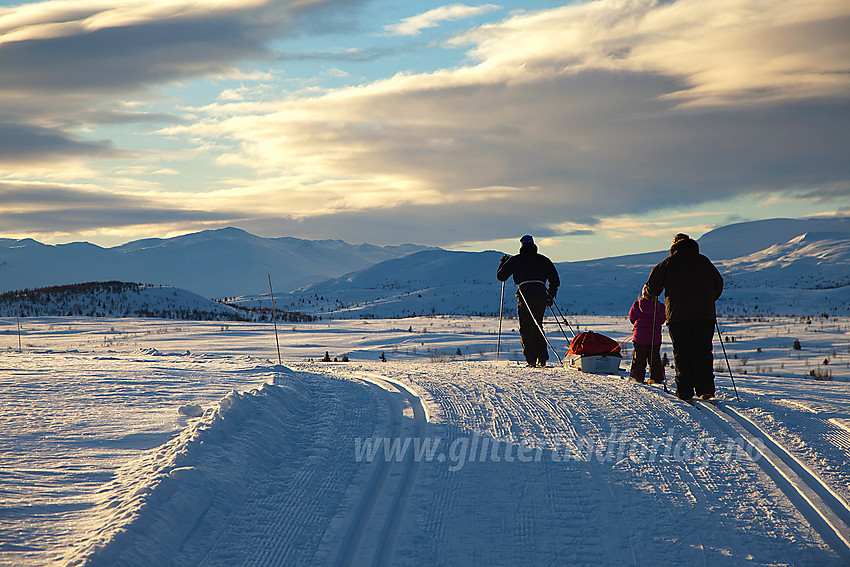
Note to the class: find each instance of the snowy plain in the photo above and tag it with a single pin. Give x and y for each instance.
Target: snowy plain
(154, 442)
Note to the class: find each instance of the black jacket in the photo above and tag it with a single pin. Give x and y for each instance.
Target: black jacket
(690, 282)
(528, 266)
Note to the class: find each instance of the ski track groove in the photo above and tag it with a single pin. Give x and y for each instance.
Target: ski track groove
(359, 523)
(817, 452)
(720, 418)
(387, 534)
(283, 517)
(825, 511)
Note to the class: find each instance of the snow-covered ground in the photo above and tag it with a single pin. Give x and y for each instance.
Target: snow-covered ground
(123, 443)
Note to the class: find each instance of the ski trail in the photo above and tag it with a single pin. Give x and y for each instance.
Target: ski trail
(822, 508)
(390, 531)
(362, 537)
(367, 502)
(818, 503)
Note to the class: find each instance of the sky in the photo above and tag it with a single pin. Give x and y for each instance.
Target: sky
(601, 128)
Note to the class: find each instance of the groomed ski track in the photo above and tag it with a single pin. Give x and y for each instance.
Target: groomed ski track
(533, 466)
(394, 493)
(826, 511)
(499, 407)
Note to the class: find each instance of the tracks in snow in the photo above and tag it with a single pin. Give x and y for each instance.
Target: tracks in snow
(825, 510)
(820, 505)
(373, 529)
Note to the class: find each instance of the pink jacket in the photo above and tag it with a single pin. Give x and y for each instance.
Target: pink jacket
(641, 317)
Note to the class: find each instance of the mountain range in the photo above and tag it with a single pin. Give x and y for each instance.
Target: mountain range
(776, 266)
(212, 263)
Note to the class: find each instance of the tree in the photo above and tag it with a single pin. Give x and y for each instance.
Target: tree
(327, 357)
(383, 357)
(796, 345)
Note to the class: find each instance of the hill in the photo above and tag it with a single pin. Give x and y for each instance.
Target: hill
(805, 271)
(116, 299)
(771, 267)
(212, 263)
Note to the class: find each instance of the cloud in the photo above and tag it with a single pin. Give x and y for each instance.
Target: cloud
(726, 51)
(584, 111)
(33, 144)
(64, 62)
(53, 208)
(561, 120)
(432, 18)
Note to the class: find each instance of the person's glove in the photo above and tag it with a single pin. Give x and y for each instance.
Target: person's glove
(504, 259)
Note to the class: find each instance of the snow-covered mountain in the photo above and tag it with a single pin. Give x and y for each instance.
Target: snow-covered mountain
(779, 266)
(212, 263)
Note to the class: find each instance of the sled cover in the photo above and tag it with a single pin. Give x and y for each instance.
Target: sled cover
(589, 343)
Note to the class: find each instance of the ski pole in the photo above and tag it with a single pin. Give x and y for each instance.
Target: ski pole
(720, 336)
(499, 340)
(539, 328)
(564, 318)
(559, 325)
(652, 347)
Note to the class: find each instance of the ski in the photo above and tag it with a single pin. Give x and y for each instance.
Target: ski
(664, 392)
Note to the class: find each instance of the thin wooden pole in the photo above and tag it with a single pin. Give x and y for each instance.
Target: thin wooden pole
(18, 320)
(274, 321)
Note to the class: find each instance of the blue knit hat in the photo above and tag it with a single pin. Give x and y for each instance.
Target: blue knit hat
(527, 239)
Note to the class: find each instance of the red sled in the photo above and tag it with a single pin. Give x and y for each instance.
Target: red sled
(593, 352)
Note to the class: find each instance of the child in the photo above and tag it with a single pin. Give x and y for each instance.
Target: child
(647, 315)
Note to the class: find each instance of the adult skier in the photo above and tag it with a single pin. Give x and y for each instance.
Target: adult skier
(531, 271)
(691, 284)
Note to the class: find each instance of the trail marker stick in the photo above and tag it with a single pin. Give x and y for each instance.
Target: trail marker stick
(18, 321)
(274, 322)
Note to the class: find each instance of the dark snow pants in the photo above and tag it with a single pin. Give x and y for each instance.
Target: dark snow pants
(642, 354)
(533, 342)
(693, 357)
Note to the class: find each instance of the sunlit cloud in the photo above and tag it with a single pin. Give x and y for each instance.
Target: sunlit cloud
(580, 120)
(432, 18)
(585, 102)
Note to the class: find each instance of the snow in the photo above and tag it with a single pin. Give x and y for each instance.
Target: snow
(153, 442)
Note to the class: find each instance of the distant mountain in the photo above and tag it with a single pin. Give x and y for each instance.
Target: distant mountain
(212, 263)
(743, 239)
(780, 266)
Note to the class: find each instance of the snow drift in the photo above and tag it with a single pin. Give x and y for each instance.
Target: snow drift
(146, 513)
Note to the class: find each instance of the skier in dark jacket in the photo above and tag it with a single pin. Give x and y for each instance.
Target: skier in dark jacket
(691, 285)
(531, 271)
